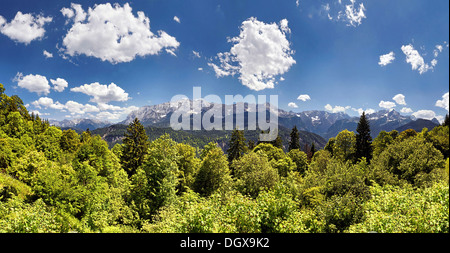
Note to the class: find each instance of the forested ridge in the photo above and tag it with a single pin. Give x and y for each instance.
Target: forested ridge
(61, 181)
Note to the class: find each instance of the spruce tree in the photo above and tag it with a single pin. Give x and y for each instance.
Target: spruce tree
(363, 139)
(294, 143)
(237, 145)
(446, 121)
(135, 147)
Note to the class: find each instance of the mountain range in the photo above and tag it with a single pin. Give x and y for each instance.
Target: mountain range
(323, 123)
(317, 126)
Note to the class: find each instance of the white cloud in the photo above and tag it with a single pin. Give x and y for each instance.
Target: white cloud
(415, 59)
(354, 15)
(386, 59)
(361, 110)
(33, 83)
(102, 93)
(444, 103)
(24, 28)
(177, 19)
(259, 54)
(304, 97)
(426, 114)
(336, 109)
(113, 33)
(297, 2)
(43, 101)
(350, 12)
(59, 84)
(293, 105)
(47, 54)
(399, 99)
(406, 110)
(77, 108)
(200, 69)
(386, 104)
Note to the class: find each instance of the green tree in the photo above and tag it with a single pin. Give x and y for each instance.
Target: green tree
(70, 141)
(135, 147)
(446, 121)
(408, 161)
(162, 172)
(344, 145)
(363, 143)
(254, 174)
(300, 159)
(237, 145)
(213, 173)
(294, 142)
(381, 142)
(188, 165)
(277, 158)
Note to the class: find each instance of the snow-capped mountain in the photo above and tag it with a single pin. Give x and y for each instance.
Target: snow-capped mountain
(323, 123)
(80, 124)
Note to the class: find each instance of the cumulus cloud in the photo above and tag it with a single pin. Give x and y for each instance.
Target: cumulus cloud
(386, 104)
(76, 109)
(427, 114)
(361, 110)
(33, 83)
(293, 105)
(102, 93)
(406, 110)
(415, 59)
(260, 53)
(444, 103)
(24, 28)
(59, 84)
(177, 19)
(399, 99)
(304, 97)
(113, 33)
(386, 59)
(336, 108)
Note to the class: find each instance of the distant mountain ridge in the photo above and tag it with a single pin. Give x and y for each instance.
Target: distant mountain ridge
(323, 123)
(80, 124)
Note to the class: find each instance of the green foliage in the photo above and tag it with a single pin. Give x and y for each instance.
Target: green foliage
(58, 181)
(213, 173)
(135, 147)
(162, 172)
(188, 166)
(237, 146)
(300, 159)
(394, 209)
(277, 158)
(294, 142)
(406, 161)
(69, 141)
(344, 145)
(363, 143)
(254, 173)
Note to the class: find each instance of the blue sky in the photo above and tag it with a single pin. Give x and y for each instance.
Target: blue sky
(346, 55)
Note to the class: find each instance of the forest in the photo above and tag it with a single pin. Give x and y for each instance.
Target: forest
(55, 181)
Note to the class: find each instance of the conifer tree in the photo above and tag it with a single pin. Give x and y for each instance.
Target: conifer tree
(237, 145)
(135, 147)
(446, 121)
(294, 143)
(363, 139)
